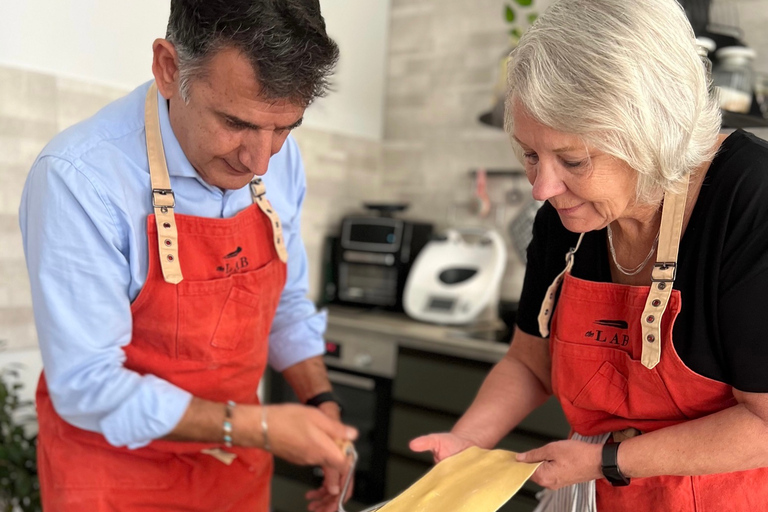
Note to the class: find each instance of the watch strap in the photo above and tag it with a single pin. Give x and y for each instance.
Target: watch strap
(325, 396)
(610, 465)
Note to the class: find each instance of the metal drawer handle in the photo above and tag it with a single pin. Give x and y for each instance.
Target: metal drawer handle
(353, 381)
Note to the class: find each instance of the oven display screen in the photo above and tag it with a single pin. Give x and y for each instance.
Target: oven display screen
(332, 349)
(372, 234)
(439, 304)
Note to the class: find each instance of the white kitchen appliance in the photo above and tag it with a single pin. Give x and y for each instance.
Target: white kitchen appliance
(457, 277)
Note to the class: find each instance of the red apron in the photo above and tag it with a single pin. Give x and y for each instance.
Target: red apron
(599, 377)
(206, 334)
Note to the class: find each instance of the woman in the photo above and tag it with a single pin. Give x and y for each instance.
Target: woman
(657, 351)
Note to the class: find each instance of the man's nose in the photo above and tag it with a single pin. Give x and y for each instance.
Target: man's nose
(256, 150)
(546, 182)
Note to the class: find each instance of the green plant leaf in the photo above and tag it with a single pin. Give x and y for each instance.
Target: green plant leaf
(22, 483)
(515, 32)
(510, 13)
(524, 3)
(19, 484)
(532, 18)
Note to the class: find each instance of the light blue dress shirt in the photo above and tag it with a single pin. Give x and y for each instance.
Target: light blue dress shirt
(83, 219)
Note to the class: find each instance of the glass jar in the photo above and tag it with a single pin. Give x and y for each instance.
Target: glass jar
(734, 78)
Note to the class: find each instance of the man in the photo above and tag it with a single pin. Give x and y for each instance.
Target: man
(160, 270)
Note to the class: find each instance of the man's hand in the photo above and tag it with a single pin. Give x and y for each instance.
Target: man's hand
(565, 463)
(305, 436)
(326, 498)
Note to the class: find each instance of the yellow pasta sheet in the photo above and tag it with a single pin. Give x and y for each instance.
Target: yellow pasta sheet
(474, 480)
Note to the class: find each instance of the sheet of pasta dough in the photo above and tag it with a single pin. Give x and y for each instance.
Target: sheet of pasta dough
(474, 480)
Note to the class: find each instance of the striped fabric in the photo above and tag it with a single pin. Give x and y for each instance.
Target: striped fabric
(574, 498)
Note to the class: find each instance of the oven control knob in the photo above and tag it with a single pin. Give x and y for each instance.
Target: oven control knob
(363, 360)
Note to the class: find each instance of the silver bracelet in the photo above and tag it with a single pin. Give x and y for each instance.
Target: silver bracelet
(264, 428)
(228, 423)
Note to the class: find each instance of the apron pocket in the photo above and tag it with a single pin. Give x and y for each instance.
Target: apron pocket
(201, 304)
(241, 319)
(605, 391)
(226, 319)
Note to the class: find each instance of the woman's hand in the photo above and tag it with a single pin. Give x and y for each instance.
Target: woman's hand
(441, 445)
(565, 463)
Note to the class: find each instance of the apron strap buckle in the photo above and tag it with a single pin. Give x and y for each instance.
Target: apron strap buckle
(159, 198)
(664, 267)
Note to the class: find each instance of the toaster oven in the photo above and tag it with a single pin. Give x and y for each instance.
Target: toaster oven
(370, 259)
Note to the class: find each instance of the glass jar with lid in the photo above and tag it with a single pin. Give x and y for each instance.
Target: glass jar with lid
(734, 78)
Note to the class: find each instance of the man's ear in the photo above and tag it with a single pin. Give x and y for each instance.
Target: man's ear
(165, 67)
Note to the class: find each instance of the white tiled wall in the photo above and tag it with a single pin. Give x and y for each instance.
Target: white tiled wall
(441, 71)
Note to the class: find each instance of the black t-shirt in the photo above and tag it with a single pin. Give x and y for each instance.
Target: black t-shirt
(722, 329)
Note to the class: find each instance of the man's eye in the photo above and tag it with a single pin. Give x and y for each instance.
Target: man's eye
(234, 124)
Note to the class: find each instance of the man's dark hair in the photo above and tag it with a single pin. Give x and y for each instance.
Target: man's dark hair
(285, 41)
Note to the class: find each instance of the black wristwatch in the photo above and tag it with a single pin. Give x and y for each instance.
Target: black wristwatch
(610, 465)
(326, 396)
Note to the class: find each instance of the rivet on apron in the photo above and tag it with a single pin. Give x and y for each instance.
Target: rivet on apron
(167, 225)
(269, 211)
(551, 295)
(650, 319)
(546, 312)
(651, 338)
(662, 286)
(164, 209)
(169, 257)
(656, 303)
(277, 224)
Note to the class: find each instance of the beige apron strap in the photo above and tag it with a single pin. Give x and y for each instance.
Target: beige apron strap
(548, 304)
(258, 191)
(163, 200)
(663, 275)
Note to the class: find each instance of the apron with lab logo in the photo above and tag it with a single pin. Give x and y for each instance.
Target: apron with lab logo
(615, 368)
(201, 322)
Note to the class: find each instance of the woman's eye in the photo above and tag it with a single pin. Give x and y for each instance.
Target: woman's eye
(531, 158)
(573, 165)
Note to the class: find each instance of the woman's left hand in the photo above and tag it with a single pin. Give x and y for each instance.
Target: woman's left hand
(565, 463)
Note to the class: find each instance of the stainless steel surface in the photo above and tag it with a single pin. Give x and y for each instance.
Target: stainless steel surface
(374, 330)
(361, 353)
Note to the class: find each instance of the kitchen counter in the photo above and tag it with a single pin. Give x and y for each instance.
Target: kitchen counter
(399, 379)
(458, 341)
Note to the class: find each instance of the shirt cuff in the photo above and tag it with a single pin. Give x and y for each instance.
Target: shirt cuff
(150, 413)
(298, 341)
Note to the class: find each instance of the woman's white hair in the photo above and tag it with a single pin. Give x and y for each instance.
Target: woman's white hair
(626, 77)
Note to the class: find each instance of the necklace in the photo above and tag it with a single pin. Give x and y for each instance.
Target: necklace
(629, 271)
